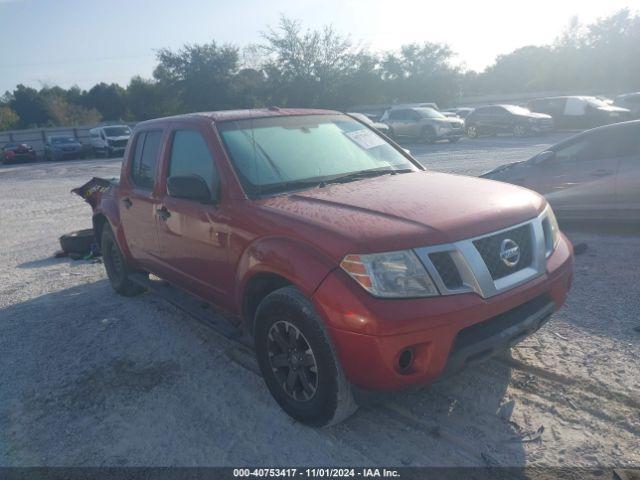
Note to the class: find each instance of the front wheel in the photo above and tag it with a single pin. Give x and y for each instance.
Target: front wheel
(519, 131)
(116, 266)
(472, 131)
(298, 361)
(428, 135)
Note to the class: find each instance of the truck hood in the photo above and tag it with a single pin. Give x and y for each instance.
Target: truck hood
(405, 210)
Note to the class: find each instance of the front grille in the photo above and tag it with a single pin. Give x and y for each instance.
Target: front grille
(118, 143)
(494, 325)
(489, 248)
(446, 269)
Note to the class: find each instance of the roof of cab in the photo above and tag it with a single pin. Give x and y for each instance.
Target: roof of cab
(227, 115)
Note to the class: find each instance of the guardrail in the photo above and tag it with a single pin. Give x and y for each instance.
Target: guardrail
(37, 137)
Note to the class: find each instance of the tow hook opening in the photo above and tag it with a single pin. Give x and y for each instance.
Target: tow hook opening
(405, 360)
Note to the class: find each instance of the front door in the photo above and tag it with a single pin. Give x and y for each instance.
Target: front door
(193, 236)
(580, 180)
(628, 181)
(138, 199)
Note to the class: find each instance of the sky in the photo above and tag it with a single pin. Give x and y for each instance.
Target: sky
(83, 42)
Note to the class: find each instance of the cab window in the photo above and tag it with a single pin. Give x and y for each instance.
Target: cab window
(190, 155)
(145, 158)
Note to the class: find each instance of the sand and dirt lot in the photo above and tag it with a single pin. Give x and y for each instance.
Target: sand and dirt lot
(89, 378)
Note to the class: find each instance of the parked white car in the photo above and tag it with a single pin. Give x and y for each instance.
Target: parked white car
(109, 140)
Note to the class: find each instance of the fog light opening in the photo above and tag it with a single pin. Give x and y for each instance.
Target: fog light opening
(405, 360)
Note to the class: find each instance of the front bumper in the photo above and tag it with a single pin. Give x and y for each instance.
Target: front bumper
(20, 157)
(453, 133)
(541, 127)
(64, 155)
(444, 333)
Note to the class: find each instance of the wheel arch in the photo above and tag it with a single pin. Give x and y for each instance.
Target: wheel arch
(273, 263)
(106, 216)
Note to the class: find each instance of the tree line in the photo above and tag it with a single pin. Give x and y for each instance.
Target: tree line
(292, 66)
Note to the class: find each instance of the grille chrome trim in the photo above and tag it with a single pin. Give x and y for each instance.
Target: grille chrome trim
(473, 270)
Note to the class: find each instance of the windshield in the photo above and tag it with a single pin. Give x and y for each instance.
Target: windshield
(428, 113)
(117, 131)
(56, 140)
(517, 110)
(280, 153)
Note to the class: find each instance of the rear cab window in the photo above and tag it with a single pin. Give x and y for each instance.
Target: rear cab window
(145, 158)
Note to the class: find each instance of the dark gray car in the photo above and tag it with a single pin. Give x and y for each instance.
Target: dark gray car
(592, 175)
(62, 147)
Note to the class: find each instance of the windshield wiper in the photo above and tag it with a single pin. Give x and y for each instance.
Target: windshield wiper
(289, 186)
(295, 185)
(352, 177)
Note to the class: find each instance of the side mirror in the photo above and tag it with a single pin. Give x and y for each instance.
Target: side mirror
(190, 187)
(544, 157)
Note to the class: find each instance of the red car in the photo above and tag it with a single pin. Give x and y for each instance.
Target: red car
(18, 152)
(345, 261)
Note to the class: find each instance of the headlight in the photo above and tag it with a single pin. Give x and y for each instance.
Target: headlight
(551, 230)
(390, 275)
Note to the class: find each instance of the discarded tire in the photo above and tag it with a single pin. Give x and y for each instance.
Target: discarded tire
(78, 242)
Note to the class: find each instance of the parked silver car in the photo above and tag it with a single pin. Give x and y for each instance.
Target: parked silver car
(422, 124)
(592, 175)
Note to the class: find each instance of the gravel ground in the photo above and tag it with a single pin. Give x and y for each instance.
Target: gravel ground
(91, 378)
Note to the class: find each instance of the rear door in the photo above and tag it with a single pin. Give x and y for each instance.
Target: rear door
(580, 180)
(193, 236)
(400, 123)
(138, 198)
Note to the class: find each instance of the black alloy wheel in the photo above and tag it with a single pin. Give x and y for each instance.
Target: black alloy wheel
(292, 361)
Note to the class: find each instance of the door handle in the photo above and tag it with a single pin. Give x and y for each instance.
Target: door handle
(127, 202)
(163, 213)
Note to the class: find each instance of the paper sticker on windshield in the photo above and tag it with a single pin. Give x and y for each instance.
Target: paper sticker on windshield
(365, 138)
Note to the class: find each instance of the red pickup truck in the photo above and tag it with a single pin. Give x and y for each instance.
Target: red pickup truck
(345, 261)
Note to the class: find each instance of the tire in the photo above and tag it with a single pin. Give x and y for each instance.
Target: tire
(115, 264)
(289, 333)
(472, 131)
(78, 242)
(428, 135)
(519, 130)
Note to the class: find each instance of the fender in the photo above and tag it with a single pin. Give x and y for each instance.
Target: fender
(298, 262)
(107, 207)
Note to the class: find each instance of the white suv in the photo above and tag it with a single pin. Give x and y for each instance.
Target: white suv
(109, 140)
